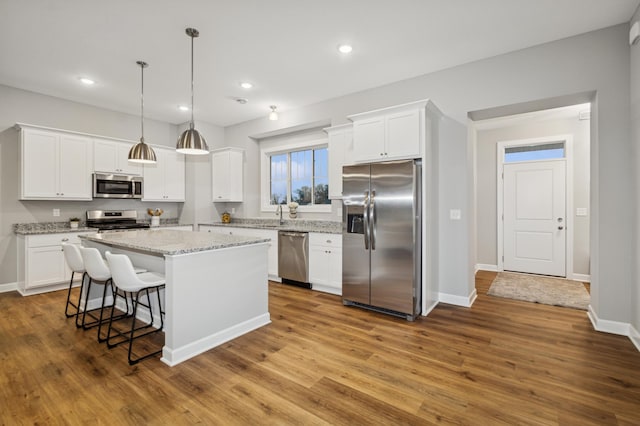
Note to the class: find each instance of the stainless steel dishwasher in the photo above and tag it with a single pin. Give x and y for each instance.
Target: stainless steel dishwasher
(293, 257)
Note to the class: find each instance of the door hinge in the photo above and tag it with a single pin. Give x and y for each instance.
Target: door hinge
(503, 258)
(502, 175)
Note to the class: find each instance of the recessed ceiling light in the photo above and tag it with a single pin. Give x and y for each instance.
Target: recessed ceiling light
(246, 85)
(345, 48)
(87, 81)
(183, 108)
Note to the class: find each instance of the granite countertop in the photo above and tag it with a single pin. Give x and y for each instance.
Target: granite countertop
(169, 242)
(323, 226)
(49, 228)
(63, 227)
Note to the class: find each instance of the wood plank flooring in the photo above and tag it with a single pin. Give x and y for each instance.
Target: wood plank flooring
(498, 362)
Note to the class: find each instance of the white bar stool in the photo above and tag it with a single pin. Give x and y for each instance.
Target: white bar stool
(126, 280)
(74, 261)
(99, 273)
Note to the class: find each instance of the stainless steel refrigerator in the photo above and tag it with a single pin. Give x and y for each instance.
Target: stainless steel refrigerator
(381, 237)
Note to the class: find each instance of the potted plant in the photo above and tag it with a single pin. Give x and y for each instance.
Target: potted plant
(74, 222)
(155, 216)
(293, 209)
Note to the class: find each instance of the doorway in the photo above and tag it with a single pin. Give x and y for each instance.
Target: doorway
(533, 199)
(569, 125)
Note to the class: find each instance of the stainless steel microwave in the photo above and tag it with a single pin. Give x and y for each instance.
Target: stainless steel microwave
(106, 185)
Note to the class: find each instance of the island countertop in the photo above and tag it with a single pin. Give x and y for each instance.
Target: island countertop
(169, 242)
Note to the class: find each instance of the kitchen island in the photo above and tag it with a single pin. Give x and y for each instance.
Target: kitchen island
(216, 285)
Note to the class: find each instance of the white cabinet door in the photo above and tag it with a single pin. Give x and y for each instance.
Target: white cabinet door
(325, 262)
(403, 135)
(45, 266)
(368, 139)
(227, 175)
(112, 157)
(389, 134)
(340, 147)
(165, 180)
(55, 165)
(174, 178)
(39, 152)
(76, 154)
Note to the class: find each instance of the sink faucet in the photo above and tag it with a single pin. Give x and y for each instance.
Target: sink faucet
(279, 212)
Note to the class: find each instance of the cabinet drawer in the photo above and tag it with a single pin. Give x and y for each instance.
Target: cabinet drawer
(52, 239)
(327, 240)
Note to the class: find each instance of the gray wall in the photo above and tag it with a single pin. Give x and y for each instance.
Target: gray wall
(32, 108)
(635, 141)
(486, 181)
(596, 61)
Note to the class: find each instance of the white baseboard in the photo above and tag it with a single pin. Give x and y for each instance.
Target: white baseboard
(5, 288)
(486, 267)
(634, 335)
(582, 278)
(607, 326)
(429, 308)
(174, 356)
(453, 299)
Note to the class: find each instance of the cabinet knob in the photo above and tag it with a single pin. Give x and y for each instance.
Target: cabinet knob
(65, 239)
(329, 241)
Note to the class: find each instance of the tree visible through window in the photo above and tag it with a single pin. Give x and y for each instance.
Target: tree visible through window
(300, 176)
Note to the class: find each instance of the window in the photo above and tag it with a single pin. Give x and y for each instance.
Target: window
(299, 175)
(548, 151)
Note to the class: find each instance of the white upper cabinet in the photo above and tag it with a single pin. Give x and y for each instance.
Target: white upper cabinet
(389, 133)
(165, 180)
(340, 154)
(55, 165)
(112, 157)
(227, 175)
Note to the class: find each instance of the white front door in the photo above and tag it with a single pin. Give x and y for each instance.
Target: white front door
(535, 217)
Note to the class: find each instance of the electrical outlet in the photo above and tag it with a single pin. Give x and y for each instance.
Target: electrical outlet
(56, 212)
(455, 214)
(233, 210)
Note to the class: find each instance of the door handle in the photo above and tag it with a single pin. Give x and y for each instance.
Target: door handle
(372, 212)
(366, 220)
(560, 228)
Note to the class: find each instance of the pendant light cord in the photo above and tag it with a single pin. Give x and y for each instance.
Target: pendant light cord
(192, 124)
(142, 65)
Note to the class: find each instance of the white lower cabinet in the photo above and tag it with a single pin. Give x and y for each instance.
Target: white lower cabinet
(253, 232)
(41, 263)
(325, 262)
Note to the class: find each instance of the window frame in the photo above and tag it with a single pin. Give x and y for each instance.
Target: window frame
(265, 174)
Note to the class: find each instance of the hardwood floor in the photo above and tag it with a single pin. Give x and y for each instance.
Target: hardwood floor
(498, 362)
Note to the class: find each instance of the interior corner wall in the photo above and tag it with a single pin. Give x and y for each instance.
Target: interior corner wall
(596, 61)
(198, 207)
(635, 140)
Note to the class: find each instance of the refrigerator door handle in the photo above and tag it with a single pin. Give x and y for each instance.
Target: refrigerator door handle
(366, 220)
(372, 220)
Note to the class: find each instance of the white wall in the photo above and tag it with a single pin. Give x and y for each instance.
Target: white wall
(596, 61)
(635, 141)
(28, 107)
(526, 128)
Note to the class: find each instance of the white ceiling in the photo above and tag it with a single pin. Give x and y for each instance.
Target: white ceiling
(286, 48)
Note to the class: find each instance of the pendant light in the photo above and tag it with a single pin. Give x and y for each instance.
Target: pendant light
(141, 152)
(191, 141)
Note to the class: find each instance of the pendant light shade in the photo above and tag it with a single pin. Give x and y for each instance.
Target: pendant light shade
(191, 141)
(141, 152)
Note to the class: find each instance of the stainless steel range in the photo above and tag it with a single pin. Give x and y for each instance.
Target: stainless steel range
(114, 220)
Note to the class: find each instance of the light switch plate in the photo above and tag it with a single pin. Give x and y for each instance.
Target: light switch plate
(581, 211)
(455, 214)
